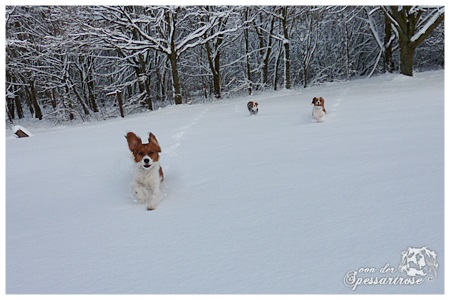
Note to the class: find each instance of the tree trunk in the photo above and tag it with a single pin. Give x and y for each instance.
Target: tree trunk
(216, 72)
(120, 103)
(160, 80)
(388, 63)
(277, 63)
(91, 89)
(213, 56)
(406, 57)
(10, 108)
(262, 51)
(347, 42)
(175, 78)
(247, 56)
(34, 102)
(265, 69)
(18, 107)
(144, 82)
(286, 44)
(173, 57)
(216, 79)
(305, 76)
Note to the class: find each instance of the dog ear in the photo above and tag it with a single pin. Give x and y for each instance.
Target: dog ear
(322, 100)
(133, 141)
(152, 139)
(314, 99)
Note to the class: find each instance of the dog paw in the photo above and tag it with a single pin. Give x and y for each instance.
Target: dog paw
(150, 208)
(140, 195)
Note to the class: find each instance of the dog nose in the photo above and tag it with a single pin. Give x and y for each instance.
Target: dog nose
(146, 160)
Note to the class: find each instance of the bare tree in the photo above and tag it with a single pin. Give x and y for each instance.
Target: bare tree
(413, 24)
(215, 45)
(287, 46)
(63, 61)
(264, 26)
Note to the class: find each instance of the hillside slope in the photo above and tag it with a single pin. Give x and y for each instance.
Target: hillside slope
(273, 203)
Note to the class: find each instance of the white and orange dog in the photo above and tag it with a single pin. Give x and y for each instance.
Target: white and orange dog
(319, 112)
(147, 170)
(252, 107)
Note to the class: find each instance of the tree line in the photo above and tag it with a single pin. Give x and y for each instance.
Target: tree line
(84, 62)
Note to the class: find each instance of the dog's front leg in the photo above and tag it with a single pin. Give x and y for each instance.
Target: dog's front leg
(141, 192)
(153, 201)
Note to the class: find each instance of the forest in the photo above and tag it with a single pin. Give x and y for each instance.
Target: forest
(84, 63)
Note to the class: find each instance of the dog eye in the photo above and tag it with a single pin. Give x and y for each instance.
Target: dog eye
(141, 153)
(150, 153)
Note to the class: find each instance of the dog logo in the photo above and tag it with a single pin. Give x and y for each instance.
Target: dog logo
(419, 262)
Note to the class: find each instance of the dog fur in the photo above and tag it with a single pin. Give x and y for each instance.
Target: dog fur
(148, 173)
(319, 112)
(252, 107)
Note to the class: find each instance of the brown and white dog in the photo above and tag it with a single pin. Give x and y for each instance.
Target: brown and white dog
(252, 107)
(319, 112)
(147, 170)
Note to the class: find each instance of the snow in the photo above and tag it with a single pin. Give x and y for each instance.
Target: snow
(268, 204)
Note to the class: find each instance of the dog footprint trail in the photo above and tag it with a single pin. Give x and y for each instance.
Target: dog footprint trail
(173, 177)
(181, 131)
(337, 103)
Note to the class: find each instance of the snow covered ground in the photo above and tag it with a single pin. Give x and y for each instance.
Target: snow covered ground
(273, 203)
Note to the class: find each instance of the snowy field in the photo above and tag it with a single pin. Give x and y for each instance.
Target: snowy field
(268, 204)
